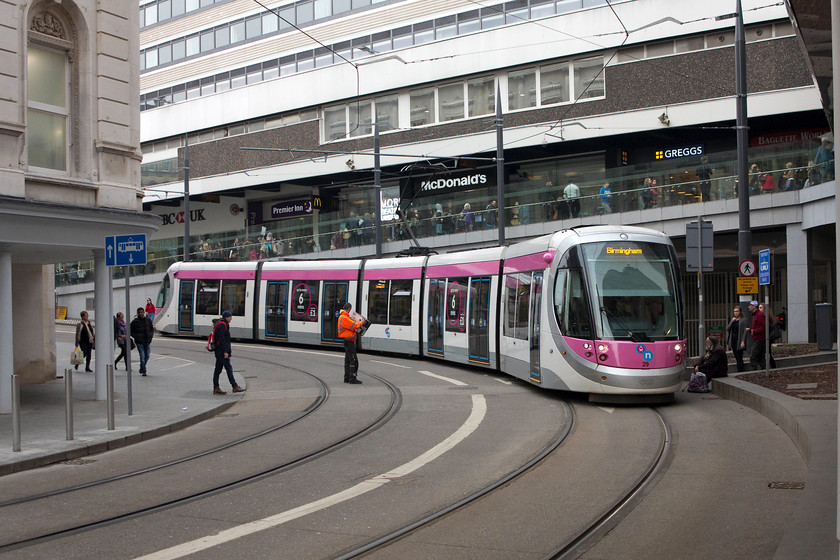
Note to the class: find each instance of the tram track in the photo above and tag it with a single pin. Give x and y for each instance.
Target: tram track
(575, 545)
(389, 411)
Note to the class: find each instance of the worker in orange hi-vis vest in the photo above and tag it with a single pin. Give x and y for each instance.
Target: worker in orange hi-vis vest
(347, 329)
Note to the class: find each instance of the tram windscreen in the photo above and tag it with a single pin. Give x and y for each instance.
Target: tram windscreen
(163, 293)
(634, 290)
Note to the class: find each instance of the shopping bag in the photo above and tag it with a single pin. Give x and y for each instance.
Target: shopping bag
(76, 356)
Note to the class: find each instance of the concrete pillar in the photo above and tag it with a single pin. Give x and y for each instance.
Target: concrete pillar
(7, 363)
(797, 284)
(103, 354)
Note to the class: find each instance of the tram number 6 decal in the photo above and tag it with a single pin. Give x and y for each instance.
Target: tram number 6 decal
(456, 317)
(305, 303)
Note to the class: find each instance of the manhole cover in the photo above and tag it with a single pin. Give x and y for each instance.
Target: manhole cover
(784, 485)
(78, 461)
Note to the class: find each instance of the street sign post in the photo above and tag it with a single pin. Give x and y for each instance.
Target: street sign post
(699, 246)
(764, 267)
(747, 285)
(125, 250)
(746, 268)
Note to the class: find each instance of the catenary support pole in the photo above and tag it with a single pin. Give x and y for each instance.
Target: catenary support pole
(186, 197)
(7, 364)
(128, 314)
(742, 138)
(377, 183)
(68, 402)
(500, 168)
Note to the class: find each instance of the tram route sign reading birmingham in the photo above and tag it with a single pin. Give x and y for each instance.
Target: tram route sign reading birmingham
(125, 250)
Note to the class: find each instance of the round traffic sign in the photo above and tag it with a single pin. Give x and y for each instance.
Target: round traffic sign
(746, 268)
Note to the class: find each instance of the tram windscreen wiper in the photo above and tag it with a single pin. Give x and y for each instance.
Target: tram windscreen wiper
(639, 337)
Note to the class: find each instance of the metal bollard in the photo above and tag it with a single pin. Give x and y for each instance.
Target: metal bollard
(68, 402)
(15, 412)
(109, 398)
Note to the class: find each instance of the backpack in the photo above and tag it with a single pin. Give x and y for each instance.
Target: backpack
(697, 383)
(211, 340)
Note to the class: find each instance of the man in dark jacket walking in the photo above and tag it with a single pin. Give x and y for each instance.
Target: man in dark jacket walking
(142, 332)
(221, 336)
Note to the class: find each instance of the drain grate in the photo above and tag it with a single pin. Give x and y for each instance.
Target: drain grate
(77, 462)
(786, 485)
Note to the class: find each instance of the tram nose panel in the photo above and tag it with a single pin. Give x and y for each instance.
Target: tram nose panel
(627, 354)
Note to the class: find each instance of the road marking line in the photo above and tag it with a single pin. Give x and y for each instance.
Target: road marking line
(479, 409)
(607, 409)
(447, 379)
(390, 364)
(506, 382)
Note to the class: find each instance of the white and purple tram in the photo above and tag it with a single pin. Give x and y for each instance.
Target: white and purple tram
(595, 309)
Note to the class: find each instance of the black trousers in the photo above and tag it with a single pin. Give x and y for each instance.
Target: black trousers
(351, 362)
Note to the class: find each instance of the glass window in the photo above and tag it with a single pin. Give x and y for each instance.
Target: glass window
(456, 305)
(446, 31)
(237, 32)
(287, 68)
(335, 122)
(179, 49)
(208, 88)
(382, 45)
(253, 77)
(465, 27)
(253, 27)
(399, 308)
(522, 89)
(572, 309)
(360, 3)
(554, 83)
(164, 54)
(451, 102)
(323, 8)
(208, 41)
(164, 10)
(269, 23)
(192, 5)
(151, 14)
(142, 17)
(233, 297)
(492, 19)
(517, 16)
(425, 36)
(631, 54)
(518, 303)
(402, 37)
(305, 301)
(663, 48)
(387, 112)
(207, 298)
(192, 45)
(340, 6)
(222, 37)
(422, 106)
(237, 78)
(589, 78)
(360, 119)
(178, 7)
(690, 44)
(46, 139)
(304, 13)
(47, 72)
(481, 98)
(378, 302)
(287, 17)
(222, 84)
(151, 58)
(324, 59)
(306, 61)
(542, 10)
(271, 72)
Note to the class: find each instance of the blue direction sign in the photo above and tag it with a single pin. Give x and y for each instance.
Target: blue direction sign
(764, 267)
(125, 250)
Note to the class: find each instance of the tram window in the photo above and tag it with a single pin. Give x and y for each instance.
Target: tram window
(233, 297)
(518, 303)
(163, 294)
(399, 308)
(456, 304)
(305, 301)
(573, 312)
(207, 298)
(378, 302)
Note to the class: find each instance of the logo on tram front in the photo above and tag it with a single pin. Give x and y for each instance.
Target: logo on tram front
(646, 354)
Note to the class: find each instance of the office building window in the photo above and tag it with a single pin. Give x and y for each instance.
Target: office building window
(422, 106)
(522, 89)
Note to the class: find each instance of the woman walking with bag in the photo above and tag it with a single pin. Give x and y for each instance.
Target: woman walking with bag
(736, 332)
(85, 339)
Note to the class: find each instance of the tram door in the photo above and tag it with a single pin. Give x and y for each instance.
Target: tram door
(276, 301)
(480, 320)
(534, 326)
(437, 291)
(186, 296)
(334, 298)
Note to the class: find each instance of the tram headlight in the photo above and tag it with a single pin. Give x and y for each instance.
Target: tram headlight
(586, 346)
(677, 347)
(602, 347)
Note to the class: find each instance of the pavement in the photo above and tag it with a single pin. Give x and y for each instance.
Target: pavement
(177, 393)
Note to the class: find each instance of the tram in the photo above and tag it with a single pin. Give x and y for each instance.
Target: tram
(592, 309)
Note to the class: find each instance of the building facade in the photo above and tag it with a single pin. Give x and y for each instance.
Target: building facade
(277, 106)
(69, 165)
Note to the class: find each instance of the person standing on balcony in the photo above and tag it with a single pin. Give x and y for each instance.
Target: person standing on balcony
(704, 174)
(572, 194)
(606, 198)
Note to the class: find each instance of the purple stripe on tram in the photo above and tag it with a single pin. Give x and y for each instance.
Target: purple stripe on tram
(310, 274)
(393, 274)
(215, 274)
(537, 261)
(467, 269)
